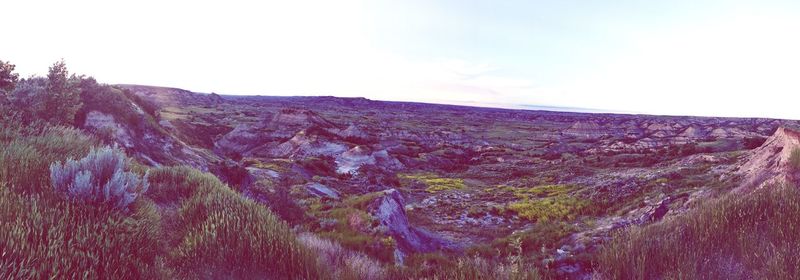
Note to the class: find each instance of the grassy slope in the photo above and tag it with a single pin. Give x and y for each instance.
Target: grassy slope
(737, 236)
(213, 230)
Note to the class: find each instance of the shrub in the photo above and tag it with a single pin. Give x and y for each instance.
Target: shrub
(100, 177)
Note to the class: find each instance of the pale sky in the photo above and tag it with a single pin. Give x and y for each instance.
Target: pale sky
(712, 58)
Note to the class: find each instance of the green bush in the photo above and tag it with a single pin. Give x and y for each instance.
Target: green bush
(100, 177)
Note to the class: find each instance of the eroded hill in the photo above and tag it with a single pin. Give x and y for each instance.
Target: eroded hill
(395, 180)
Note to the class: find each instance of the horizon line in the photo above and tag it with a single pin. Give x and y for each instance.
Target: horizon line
(487, 105)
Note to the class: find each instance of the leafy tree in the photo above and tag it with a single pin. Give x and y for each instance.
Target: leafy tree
(62, 100)
(26, 99)
(8, 79)
(54, 99)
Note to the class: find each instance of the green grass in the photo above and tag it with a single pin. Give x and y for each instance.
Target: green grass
(50, 238)
(225, 233)
(737, 236)
(435, 183)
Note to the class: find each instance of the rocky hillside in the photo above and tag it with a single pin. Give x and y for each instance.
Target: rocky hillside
(774, 162)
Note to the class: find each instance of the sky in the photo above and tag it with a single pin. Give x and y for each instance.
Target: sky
(707, 58)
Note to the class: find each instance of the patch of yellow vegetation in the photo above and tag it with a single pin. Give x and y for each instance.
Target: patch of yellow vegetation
(275, 165)
(434, 182)
(545, 203)
(561, 207)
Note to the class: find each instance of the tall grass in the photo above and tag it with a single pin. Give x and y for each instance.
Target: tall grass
(58, 239)
(45, 236)
(227, 235)
(27, 153)
(756, 235)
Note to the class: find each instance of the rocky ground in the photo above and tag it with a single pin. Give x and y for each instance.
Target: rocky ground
(396, 179)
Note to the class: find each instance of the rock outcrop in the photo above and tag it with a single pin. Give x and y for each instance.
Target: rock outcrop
(147, 142)
(106, 126)
(320, 190)
(389, 210)
(769, 164)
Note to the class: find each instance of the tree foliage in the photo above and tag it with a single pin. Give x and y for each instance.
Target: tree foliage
(55, 99)
(63, 98)
(8, 79)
